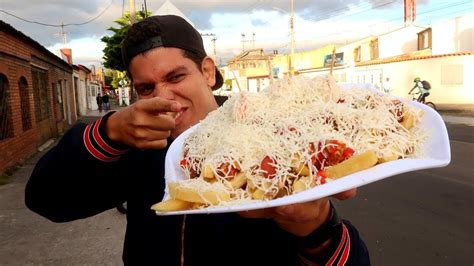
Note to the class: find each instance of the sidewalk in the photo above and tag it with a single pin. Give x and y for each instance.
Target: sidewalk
(457, 113)
(29, 239)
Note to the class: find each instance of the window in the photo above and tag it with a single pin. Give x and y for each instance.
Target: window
(6, 125)
(452, 75)
(40, 93)
(357, 54)
(424, 39)
(374, 49)
(24, 104)
(59, 101)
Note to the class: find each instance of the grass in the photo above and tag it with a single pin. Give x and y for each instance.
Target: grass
(4, 179)
(7, 175)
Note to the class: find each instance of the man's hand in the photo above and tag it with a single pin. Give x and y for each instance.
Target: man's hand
(303, 218)
(145, 124)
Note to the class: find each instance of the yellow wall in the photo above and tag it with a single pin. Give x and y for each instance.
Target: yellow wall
(303, 60)
(247, 70)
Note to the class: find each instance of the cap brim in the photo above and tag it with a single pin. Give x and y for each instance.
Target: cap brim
(219, 80)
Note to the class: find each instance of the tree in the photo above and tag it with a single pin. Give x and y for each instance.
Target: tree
(112, 54)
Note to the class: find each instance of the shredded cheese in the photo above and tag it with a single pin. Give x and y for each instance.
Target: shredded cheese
(282, 122)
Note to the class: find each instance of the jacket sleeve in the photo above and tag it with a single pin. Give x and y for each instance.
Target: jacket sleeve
(80, 177)
(346, 249)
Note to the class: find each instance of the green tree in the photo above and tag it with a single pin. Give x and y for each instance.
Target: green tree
(112, 54)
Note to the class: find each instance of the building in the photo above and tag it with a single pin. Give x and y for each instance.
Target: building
(443, 54)
(36, 96)
(251, 70)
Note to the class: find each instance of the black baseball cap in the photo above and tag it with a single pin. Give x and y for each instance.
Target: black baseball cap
(164, 31)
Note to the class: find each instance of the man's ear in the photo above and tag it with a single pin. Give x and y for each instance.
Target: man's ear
(208, 68)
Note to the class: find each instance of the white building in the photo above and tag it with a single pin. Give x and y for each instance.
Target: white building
(443, 54)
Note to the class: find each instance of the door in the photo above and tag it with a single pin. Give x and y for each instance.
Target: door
(42, 105)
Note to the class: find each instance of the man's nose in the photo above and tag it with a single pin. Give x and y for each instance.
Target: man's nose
(163, 91)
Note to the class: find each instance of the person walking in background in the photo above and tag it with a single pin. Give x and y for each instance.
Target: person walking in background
(98, 99)
(106, 102)
(386, 86)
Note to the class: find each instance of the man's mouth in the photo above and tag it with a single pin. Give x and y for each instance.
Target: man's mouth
(178, 115)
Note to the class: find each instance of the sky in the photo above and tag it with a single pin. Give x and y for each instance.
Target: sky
(264, 23)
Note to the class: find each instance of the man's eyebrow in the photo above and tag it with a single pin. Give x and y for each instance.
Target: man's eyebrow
(171, 73)
(175, 71)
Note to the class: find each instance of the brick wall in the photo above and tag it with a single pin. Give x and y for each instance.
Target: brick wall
(18, 54)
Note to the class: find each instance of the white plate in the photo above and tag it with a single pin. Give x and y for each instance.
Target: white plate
(438, 154)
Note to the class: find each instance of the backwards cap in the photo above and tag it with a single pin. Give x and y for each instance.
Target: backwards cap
(164, 31)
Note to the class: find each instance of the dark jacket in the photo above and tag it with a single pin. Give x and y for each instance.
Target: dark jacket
(86, 174)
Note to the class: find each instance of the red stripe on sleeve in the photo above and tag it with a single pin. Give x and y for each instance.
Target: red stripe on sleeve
(339, 248)
(347, 248)
(100, 141)
(93, 151)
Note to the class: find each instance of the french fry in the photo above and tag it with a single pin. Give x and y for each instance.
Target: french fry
(207, 172)
(394, 155)
(299, 167)
(354, 164)
(303, 183)
(211, 195)
(408, 120)
(258, 194)
(172, 205)
(388, 158)
(239, 181)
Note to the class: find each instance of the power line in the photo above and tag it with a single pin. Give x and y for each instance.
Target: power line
(397, 18)
(59, 25)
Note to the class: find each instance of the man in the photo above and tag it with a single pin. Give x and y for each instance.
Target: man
(98, 99)
(424, 92)
(105, 101)
(387, 88)
(120, 158)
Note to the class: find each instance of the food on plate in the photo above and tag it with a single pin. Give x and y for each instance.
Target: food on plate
(296, 134)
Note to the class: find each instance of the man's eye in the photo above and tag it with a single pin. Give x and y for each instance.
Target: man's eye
(144, 90)
(176, 78)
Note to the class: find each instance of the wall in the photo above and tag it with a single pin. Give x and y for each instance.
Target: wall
(442, 72)
(400, 41)
(311, 59)
(348, 50)
(18, 54)
(454, 36)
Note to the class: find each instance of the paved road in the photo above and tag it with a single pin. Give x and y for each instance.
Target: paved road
(424, 217)
(420, 218)
(26, 238)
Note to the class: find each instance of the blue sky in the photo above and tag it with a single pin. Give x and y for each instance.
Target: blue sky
(316, 22)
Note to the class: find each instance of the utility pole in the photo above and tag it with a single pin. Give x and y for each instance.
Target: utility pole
(63, 35)
(244, 41)
(213, 39)
(253, 40)
(333, 57)
(133, 20)
(131, 7)
(292, 36)
(270, 70)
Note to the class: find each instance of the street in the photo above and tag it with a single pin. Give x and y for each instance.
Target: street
(423, 217)
(418, 218)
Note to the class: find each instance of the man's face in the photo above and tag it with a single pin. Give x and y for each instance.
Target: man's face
(166, 73)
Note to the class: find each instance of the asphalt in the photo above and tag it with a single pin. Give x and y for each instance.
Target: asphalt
(27, 238)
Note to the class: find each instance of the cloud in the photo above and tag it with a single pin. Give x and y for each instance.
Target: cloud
(82, 51)
(316, 22)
